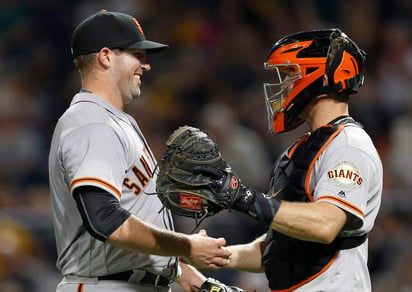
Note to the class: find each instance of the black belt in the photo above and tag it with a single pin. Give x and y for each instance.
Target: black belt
(149, 278)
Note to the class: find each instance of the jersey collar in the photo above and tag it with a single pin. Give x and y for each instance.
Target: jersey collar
(87, 96)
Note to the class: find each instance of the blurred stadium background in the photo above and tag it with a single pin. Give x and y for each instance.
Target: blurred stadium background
(211, 77)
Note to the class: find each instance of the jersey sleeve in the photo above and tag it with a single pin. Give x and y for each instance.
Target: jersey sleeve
(93, 155)
(344, 176)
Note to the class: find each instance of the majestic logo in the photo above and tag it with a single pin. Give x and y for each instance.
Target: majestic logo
(342, 194)
(189, 201)
(247, 196)
(345, 174)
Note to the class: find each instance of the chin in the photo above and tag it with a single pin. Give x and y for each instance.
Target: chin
(134, 96)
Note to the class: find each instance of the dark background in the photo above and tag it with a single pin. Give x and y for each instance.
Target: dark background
(211, 77)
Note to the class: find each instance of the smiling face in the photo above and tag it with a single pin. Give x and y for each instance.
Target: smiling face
(129, 67)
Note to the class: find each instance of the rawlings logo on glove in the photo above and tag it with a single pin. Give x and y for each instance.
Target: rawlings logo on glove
(188, 201)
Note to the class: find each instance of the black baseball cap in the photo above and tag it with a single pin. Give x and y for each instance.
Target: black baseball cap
(114, 30)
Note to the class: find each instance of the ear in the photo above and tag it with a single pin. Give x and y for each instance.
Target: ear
(325, 80)
(105, 57)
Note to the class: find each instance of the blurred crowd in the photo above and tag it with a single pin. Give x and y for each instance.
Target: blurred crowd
(211, 77)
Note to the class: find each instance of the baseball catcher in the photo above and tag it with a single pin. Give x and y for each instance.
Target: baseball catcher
(325, 188)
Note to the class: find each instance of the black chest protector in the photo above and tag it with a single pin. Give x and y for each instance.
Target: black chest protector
(289, 262)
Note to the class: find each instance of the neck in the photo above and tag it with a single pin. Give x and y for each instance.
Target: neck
(104, 89)
(324, 111)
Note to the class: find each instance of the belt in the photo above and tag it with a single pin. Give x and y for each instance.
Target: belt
(149, 278)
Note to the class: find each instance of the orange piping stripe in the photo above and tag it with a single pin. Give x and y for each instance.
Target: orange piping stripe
(342, 202)
(99, 181)
(310, 278)
(312, 164)
(80, 287)
(292, 150)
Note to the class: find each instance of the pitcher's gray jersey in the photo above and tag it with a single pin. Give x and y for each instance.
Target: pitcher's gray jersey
(92, 129)
(349, 175)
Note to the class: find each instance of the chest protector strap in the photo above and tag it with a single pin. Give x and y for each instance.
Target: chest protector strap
(289, 262)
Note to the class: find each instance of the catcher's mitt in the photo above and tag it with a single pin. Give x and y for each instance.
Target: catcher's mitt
(180, 189)
(212, 285)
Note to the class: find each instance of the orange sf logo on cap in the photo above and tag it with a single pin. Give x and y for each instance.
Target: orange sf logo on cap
(139, 27)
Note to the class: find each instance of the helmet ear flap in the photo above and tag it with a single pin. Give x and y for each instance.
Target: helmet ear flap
(347, 68)
(333, 64)
(342, 67)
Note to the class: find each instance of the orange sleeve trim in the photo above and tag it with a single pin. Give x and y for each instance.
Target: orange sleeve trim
(95, 180)
(80, 287)
(344, 203)
(312, 164)
(290, 289)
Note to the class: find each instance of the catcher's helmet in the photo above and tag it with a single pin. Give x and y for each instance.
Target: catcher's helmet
(300, 61)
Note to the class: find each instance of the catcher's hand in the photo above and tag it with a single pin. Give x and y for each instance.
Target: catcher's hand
(212, 285)
(194, 180)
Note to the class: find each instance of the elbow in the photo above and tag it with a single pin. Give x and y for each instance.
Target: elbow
(327, 234)
(326, 239)
(330, 223)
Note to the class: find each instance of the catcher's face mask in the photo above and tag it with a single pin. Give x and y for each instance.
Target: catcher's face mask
(277, 93)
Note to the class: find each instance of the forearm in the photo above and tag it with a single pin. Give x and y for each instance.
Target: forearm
(318, 222)
(248, 257)
(106, 220)
(138, 236)
(197, 249)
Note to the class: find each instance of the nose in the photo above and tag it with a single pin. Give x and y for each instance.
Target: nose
(146, 67)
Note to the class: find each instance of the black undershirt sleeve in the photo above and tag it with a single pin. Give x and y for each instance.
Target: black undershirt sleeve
(100, 211)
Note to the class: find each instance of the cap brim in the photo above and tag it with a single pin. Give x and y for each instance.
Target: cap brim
(149, 46)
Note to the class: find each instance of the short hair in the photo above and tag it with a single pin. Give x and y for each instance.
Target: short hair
(85, 63)
(336, 46)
